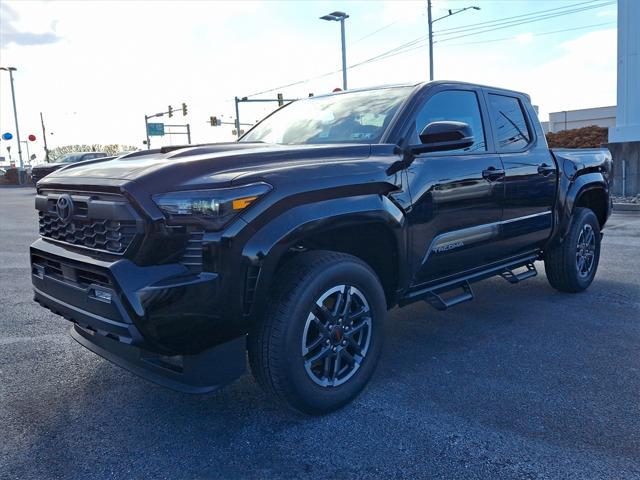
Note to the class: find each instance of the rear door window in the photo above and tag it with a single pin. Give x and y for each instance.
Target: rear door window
(510, 126)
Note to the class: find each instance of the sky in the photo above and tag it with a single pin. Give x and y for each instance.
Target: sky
(95, 68)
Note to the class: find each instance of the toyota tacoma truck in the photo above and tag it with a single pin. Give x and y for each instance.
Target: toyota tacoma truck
(289, 246)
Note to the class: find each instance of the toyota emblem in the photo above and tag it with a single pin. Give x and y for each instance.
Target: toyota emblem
(64, 208)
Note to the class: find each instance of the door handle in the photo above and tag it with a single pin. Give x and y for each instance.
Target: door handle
(492, 174)
(545, 169)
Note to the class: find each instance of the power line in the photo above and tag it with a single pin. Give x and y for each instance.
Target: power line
(522, 22)
(374, 32)
(538, 12)
(299, 82)
(413, 44)
(535, 34)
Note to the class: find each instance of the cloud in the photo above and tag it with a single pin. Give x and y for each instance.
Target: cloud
(10, 34)
(524, 37)
(607, 13)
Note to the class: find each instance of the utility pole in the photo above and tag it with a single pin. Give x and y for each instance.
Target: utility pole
(15, 116)
(146, 130)
(430, 40)
(237, 100)
(341, 17)
(431, 22)
(44, 138)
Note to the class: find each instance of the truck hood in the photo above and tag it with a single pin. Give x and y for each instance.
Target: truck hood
(209, 165)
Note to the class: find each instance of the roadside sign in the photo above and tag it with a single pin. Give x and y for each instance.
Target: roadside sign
(155, 129)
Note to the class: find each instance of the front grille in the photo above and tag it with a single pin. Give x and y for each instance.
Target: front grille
(80, 293)
(68, 273)
(109, 235)
(100, 222)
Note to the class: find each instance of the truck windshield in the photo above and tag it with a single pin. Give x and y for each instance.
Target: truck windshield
(351, 117)
(70, 158)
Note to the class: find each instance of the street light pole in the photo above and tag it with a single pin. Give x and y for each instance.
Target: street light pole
(431, 22)
(344, 54)
(15, 114)
(340, 17)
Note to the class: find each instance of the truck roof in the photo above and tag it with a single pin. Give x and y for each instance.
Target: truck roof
(425, 85)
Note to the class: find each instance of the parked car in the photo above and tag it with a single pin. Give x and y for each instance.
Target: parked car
(294, 242)
(38, 172)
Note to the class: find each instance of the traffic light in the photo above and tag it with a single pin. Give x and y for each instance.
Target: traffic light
(214, 121)
(184, 109)
(280, 100)
(170, 111)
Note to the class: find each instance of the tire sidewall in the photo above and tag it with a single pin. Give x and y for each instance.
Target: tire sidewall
(585, 216)
(308, 395)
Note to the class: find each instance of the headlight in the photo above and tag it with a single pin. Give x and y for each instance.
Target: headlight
(212, 208)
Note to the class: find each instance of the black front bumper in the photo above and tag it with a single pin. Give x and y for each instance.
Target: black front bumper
(159, 322)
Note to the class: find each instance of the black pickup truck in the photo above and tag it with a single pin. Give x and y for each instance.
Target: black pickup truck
(292, 243)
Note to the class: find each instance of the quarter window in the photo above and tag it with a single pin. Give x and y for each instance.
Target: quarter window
(456, 106)
(511, 130)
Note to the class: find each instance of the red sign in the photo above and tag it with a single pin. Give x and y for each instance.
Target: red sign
(32, 138)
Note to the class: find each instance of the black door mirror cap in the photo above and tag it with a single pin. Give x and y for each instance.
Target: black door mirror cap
(458, 144)
(443, 136)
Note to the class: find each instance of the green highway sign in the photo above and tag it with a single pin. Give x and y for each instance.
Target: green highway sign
(155, 129)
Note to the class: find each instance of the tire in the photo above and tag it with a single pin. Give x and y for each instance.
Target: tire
(288, 349)
(571, 265)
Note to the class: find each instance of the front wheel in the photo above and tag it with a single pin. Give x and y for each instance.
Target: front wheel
(321, 336)
(571, 265)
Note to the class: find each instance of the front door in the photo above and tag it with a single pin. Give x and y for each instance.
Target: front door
(457, 195)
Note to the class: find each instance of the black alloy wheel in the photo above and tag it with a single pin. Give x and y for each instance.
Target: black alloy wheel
(336, 336)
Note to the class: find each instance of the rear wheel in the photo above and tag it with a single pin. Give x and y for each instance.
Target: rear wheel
(571, 265)
(321, 337)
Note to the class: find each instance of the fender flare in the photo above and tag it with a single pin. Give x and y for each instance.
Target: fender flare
(574, 189)
(267, 246)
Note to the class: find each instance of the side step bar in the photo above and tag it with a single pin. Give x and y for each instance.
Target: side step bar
(512, 277)
(437, 301)
(435, 295)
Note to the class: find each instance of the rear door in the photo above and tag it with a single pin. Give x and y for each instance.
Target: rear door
(530, 173)
(456, 195)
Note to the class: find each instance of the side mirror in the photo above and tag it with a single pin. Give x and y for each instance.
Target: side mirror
(443, 136)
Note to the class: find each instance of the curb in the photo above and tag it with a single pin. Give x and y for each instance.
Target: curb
(626, 207)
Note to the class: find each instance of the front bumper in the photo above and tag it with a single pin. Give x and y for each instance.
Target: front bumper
(160, 322)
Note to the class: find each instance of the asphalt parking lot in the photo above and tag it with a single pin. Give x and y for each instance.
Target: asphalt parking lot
(523, 382)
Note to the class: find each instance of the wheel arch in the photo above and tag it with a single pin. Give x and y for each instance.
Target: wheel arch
(346, 225)
(590, 190)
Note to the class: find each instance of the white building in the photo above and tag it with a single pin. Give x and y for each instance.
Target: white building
(585, 117)
(624, 136)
